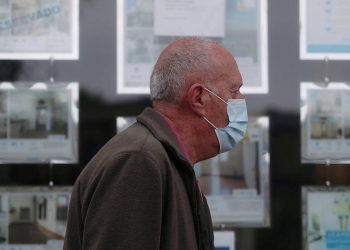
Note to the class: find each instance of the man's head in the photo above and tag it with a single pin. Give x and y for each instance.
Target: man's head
(185, 62)
(179, 83)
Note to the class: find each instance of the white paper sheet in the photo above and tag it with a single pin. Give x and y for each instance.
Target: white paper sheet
(189, 18)
(224, 240)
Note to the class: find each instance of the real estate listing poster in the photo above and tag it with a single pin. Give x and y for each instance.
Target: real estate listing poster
(39, 122)
(326, 218)
(39, 29)
(324, 29)
(325, 122)
(146, 27)
(33, 218)
(236, 183)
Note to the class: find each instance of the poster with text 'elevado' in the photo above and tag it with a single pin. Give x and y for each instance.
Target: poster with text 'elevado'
(39, 29)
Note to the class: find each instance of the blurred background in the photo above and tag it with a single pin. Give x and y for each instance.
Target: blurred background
(100, 105)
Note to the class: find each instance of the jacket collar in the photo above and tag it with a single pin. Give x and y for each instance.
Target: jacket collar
(161, 131)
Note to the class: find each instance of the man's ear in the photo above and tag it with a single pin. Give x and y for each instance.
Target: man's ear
(196, 98)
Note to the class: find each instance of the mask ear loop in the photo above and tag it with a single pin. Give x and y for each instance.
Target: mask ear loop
(209, 122)
(219, 99)
(216, 95)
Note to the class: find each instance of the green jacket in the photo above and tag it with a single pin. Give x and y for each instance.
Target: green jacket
(139, 192)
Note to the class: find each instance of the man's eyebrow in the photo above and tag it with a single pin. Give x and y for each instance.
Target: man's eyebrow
(238, 87)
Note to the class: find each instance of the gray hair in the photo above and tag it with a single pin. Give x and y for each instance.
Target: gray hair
(176, 67)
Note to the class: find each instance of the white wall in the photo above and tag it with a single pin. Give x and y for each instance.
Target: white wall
(3, 203)
(346, 105)
(23, 105)
(50, 223)
(3, 228)
(18, 201)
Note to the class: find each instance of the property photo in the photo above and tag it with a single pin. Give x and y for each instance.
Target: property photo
(37, 218)
(39, 114)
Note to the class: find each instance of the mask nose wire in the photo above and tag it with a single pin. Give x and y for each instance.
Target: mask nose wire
(216, 95)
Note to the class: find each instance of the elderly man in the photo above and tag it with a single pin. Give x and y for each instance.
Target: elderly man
(140, 190)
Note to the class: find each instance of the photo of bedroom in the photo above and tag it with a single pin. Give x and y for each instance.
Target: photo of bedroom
(37, 218)
(39, 114)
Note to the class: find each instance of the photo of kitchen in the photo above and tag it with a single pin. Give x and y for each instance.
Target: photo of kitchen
(39, 114)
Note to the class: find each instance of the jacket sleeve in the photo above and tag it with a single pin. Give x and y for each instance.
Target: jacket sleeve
(121, 207)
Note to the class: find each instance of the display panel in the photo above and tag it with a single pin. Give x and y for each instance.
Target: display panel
(142, 33)
(39, 122)
(325, 122)
(33, 218)
(224, 240)
(326, 218)
(237, 183)
(39, 29)
(324, 29)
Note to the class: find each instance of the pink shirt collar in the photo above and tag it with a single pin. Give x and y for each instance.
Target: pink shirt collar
(176, 135)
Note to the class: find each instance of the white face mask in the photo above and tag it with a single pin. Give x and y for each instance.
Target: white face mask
(234, 132)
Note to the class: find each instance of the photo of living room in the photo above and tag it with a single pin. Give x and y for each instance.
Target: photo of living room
(39, 114)
(37, 218)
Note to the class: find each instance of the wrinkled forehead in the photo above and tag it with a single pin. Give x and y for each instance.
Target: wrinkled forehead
(224, 66)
